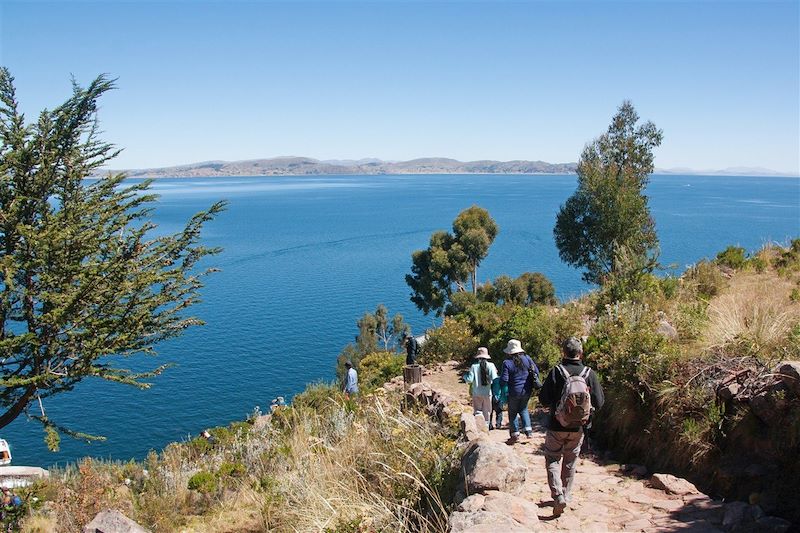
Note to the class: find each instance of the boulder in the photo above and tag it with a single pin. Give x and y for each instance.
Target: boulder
(735, 515)
(666, 330)
(420, 394)
(790, 375)
(468, 427)
(488, 465)
(112, 521)
(672, 484)
(496, 511)
(769, 405)
(480, 423)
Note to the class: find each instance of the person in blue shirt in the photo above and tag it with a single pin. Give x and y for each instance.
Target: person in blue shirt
(481, 375)
(520, 374)
(350, 386)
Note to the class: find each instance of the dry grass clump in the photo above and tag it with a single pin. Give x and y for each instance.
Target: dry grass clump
(754, 314)
(325, 464)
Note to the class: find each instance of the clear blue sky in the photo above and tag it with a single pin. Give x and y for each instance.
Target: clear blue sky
(399, 80)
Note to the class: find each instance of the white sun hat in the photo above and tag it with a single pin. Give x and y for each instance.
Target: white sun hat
(483, 353)
(514, 346)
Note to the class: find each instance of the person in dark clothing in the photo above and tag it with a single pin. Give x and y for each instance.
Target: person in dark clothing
(565, 442)
(412, 350)
(518, 375)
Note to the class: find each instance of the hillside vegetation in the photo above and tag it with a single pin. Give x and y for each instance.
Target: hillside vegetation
(687, 365)
(325, 463)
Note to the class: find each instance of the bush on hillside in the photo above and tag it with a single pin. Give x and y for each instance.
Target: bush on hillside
(734, 257)
(540, 331)
(379, 367)
(704, 279)
(452, 341)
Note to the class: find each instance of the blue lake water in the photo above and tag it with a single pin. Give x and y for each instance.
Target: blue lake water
(306, 256)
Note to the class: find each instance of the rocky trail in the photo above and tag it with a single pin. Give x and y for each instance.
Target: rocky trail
(504, 487)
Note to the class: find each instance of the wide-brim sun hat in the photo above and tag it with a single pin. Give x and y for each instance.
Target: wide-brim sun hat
(483, 353)
(514, 346)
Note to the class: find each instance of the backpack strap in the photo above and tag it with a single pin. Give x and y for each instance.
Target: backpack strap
(564, 372)
(585, 373)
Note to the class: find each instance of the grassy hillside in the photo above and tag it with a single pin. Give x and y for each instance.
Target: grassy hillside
(324, 464)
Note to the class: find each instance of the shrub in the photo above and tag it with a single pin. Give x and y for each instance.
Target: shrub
(317, 396)
(670, 286)
(452, 341)
(705, 279)
(460, 302)
(204, 482)
(485, 319)
(378, 368)
(536, 330)
(228, 469)
(733, 256)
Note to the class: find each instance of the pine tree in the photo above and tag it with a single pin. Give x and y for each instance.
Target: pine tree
(84, 281)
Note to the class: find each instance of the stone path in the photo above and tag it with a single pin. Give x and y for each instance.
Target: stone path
(607, 496)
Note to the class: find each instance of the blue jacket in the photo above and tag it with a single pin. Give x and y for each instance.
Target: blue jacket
(519, 380)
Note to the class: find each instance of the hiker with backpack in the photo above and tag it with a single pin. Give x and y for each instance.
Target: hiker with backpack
(412, 349)
(481, 375)
(573, 393)
(521, 375)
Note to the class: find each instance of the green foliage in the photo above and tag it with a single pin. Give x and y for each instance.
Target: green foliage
(204, 482)
(452, 341)
(608, 215)
(536, 329)
(690, 319)
(484, 319)
(626, 349)
(451, 261)
(734, 257)
(379, 367)
(317, 396)
(83, 280)
(231, 469)
(705, 279)
(788, 259)
(530, 288)
(375, 332)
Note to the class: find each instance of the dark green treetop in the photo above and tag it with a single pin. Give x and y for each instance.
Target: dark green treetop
(84, 283)
(608, 217)
(450, 263)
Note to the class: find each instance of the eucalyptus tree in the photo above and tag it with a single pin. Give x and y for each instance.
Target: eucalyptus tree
(606, 224)
(450, 263)
(84, 280)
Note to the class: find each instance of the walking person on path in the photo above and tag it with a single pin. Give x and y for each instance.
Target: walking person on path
(573, 392)
(481, 375)
(520, 374)
(499, 400)
(350, 386)
(412, 349)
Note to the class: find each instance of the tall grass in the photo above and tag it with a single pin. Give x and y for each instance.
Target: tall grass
(754, 315)
(341, 465)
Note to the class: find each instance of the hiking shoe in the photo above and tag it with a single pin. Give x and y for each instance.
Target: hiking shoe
(559, 505)
(513, 439)
(529, 434)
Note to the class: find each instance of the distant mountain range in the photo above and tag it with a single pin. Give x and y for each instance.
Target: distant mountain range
(306, 166)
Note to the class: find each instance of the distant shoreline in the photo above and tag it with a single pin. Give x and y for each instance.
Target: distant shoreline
(531, 174)
(306, 166)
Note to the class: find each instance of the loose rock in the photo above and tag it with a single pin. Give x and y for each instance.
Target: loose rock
(112, 521)
(672, 484)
